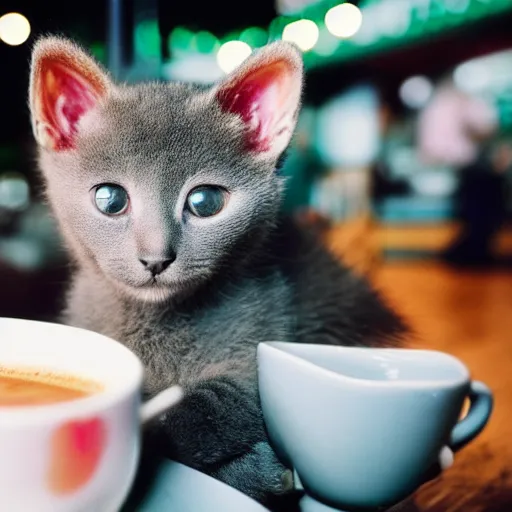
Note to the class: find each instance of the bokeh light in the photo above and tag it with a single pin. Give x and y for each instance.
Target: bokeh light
(304, 33)
(180, 39)
(206, 42)
(254, 36)
(416, 91)
(14, 29)
(14, 191)
(232, 54)
(147, 38)
(472, 77)
(327, 44)
(344, 20)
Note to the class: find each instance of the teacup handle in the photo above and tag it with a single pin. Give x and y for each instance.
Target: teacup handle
(481, 404)
(160, 403)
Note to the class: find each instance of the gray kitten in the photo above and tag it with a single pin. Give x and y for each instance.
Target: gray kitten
(168, 198)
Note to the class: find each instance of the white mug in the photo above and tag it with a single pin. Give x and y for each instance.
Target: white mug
(362, 426)
(79, 455)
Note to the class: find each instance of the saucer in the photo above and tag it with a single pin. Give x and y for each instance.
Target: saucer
(179, 488)
(183, 489)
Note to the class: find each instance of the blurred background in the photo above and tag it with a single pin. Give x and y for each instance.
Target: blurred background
(403, 145)
(401, 161)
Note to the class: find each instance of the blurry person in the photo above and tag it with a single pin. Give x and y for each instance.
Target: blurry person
(481, 203)
(452, 126)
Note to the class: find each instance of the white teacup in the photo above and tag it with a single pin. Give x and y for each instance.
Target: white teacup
(80, 455)
(362, 426)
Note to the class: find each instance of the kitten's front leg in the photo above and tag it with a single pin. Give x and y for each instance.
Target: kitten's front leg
(218, 429)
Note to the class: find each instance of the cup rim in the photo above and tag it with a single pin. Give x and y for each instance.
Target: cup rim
(462, 378)
(85, 407)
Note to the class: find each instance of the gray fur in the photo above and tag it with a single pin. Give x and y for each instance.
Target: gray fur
(243, 277)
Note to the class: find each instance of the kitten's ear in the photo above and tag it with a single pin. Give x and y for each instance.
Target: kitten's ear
(265, 91)
(65, 83)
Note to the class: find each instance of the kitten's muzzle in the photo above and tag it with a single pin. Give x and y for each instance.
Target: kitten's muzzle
(156, 265)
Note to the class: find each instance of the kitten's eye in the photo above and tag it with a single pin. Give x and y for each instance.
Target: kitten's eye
(111, 199)
(206, 201)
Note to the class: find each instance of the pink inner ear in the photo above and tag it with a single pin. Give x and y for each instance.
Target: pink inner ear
(65, 99)
(258, 97)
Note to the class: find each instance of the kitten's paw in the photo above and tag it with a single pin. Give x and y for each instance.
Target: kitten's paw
(259, 474)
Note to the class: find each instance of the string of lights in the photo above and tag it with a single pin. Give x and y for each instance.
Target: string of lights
(327, 31)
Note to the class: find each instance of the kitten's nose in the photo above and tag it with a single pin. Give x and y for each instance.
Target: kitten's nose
(157, 265)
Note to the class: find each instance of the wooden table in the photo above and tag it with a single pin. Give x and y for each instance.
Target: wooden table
(468, 315)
